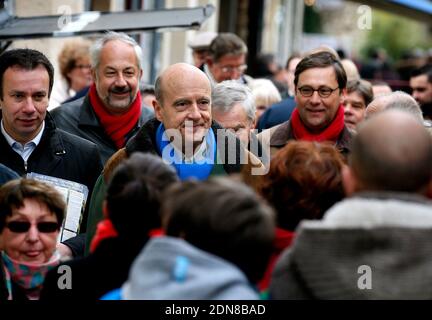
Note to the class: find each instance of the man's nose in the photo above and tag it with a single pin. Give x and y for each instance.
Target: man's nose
(347, 109)
(235, 74)
(120, 81)
(194, 112)
(315, 98)
(29, 106)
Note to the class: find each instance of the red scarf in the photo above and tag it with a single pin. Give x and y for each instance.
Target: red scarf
(283, 239)
(116, 126)
(105, 229)
(331, 133)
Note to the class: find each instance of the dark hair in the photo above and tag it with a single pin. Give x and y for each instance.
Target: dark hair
(304, 181)
(225, 218)
(134, 194)
(424, 70)
(27, 59)
(363, 87)
(322, 59)
(226, 43)
(14, 192)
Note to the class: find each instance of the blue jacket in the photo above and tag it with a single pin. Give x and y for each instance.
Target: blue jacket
(276, 114)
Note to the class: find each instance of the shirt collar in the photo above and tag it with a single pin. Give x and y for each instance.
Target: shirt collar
(11, 141)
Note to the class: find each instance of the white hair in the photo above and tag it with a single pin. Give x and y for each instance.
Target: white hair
(226, 94)
(96, 49)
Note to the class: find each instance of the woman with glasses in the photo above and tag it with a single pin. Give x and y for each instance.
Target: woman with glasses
(75, 69)
(31, 214)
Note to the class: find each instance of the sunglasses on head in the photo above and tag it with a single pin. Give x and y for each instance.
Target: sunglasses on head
(24, 226)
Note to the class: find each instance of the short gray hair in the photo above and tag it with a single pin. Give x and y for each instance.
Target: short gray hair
(226, 94)
(96, 49)
(402, 101)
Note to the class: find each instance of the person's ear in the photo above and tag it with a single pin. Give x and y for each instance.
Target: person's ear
(93, 73)
(349, 181)
(158, 110)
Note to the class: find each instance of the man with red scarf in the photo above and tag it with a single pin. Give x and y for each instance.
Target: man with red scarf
(111, 112)
(320, 82)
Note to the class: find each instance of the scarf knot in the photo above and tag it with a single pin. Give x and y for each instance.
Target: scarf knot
(116, 126)
(331, 133)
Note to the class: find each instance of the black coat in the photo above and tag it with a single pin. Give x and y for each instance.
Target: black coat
(59, 154)
(106, 269)
(78, 117)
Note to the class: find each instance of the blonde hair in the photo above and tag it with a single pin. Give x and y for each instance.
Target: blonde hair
(264, 92)
(70, 53)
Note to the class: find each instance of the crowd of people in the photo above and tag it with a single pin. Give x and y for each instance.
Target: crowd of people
(212, 184)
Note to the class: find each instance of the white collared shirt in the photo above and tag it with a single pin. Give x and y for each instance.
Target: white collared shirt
(23, 150)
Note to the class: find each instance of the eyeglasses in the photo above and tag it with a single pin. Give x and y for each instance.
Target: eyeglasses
(83, 66)
(324, 92)
(24, 226)
(229, 69)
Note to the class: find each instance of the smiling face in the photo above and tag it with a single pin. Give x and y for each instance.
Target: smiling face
(32, 246)
(316, 112)
(25, 101)
(117, 76)
(186, 102)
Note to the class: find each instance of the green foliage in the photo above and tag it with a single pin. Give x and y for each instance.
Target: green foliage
(395, 34)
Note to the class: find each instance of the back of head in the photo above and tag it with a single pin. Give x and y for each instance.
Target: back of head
(304, 180)
(228, 93)
(226, 44)
(392, 152)
(134, 194)
(322, 59)
(27, 59)
(398, 100)
(350, 70)
(224, 218)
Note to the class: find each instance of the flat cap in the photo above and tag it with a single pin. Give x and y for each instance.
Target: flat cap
(202, 40)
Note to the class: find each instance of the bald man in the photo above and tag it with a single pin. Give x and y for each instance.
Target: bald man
(398, 100)
(376, 243)
(183, 134)
(394, 100)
